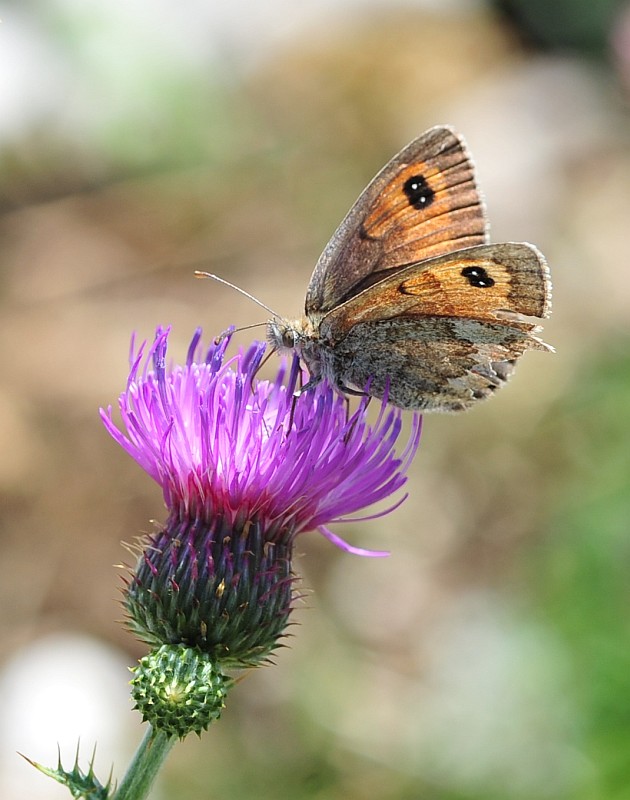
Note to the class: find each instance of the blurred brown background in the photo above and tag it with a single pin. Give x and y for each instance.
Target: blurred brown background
(489, 656)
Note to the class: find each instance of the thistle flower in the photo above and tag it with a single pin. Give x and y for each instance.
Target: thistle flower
(244, 467)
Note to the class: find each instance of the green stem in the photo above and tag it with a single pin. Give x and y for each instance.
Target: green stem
(145, 765)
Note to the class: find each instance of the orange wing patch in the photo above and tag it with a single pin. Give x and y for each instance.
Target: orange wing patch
(427, 210)
(468, 287)
(476, 284)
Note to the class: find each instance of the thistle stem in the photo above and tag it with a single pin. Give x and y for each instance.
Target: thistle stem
(146, 762)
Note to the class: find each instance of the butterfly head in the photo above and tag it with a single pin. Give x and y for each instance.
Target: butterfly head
(287, 336)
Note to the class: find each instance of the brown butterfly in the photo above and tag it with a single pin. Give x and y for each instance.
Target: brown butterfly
(409, 299)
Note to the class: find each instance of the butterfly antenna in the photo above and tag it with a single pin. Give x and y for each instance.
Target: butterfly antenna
(200, 274)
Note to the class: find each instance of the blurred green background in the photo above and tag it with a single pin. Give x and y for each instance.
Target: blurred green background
(489, 656)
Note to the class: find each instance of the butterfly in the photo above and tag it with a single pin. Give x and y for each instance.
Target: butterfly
(409, 300)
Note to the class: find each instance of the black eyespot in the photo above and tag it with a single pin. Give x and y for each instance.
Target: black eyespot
(418, 191)
(477, 276)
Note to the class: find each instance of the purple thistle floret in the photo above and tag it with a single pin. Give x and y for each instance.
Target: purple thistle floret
(244, 467)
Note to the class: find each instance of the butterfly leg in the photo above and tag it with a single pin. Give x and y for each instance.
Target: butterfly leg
(294, 400)
(312, 382)
(353, 392)
(297, 392)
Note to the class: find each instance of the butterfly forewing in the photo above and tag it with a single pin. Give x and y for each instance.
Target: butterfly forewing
(478, 283)
(424, 203)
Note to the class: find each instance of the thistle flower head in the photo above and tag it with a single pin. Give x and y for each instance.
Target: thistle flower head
(245, 467)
